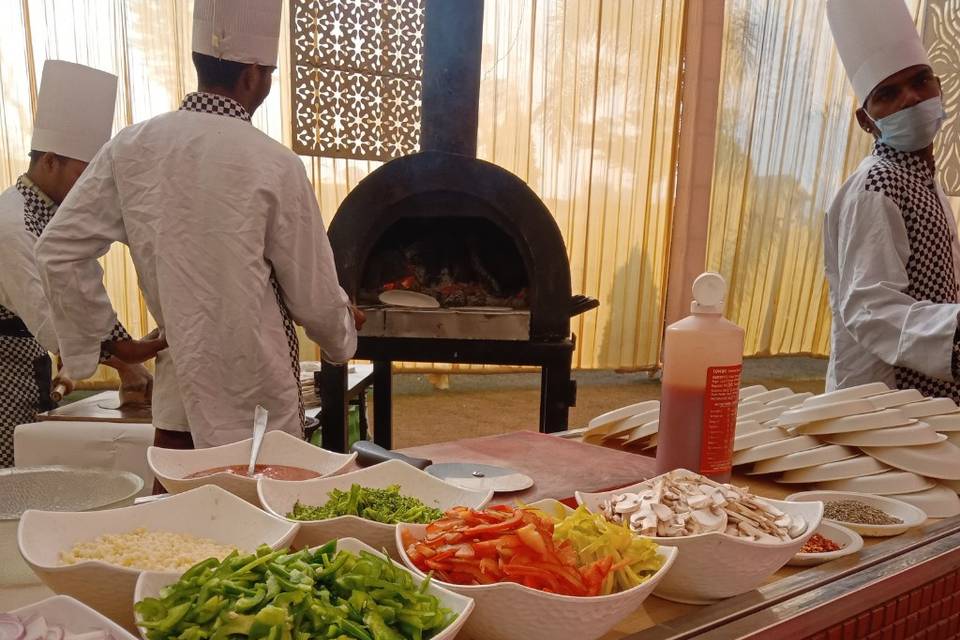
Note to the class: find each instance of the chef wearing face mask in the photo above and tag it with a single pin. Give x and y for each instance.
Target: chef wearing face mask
(890, 241)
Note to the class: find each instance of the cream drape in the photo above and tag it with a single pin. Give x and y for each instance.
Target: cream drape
(786, 140)
(578, 97)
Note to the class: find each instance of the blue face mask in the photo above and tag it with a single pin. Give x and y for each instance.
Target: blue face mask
(913, 128)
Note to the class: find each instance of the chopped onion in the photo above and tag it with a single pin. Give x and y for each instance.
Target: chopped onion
(10, 627)
(36, 628)
(54, 632)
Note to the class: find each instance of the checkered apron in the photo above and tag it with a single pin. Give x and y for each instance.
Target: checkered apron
(906, 179)
(25, 367)
(224, 106)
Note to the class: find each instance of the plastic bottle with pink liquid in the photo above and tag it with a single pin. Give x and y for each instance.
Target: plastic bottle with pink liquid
(702, 360)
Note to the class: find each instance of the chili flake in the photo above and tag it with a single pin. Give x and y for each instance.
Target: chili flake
(818, 544)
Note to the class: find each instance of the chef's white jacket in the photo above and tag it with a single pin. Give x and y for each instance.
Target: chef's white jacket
(210, 207)
(876, 326)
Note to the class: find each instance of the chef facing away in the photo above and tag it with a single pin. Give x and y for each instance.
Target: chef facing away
(890, 240)
(226, 236)
(74, 116)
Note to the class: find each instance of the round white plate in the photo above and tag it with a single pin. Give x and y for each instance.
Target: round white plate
(931, 407)
(941, 460)
(621, 413)
(896, 398)
(790, 402)
(411, 299)
(805, 414)
(809, 458)
(762, 415)
(852, 393)
(764, 435)
(938, 502)
(775, 449)
(945, 423)
(909, 435)
(881, 484)
(911, 515)
(621, 427)
(748, 392)
(850, 542)
(773, 395)
(850, 468)
(858, 422)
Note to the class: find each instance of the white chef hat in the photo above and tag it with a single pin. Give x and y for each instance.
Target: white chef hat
(876, 39)
(74, 110)
(245, 31)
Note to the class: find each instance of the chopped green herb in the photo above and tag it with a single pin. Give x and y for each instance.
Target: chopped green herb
(380, 505)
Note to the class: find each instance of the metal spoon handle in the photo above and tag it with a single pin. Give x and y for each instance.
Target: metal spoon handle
(259, 428)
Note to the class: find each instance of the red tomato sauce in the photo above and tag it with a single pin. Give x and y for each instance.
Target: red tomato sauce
(275, 471)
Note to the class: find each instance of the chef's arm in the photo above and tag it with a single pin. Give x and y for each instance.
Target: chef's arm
(85, 226)
(874, 306)
(20, 283)
(299, 251)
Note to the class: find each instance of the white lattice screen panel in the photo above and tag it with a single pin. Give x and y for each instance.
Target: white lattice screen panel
(357, 69)
(941, 35)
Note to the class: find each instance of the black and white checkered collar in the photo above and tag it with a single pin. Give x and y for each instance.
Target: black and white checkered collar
(38, 208)
(214, 103)
(912, 162)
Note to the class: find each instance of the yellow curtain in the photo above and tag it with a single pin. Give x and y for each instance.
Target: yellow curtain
(578, 97)
(786, 141)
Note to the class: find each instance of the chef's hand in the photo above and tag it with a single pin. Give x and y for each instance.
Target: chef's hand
(359, 317)
(62, 380)
(137, 351)
(136, 384)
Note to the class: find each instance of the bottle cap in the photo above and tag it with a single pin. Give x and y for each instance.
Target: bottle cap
(709, 292)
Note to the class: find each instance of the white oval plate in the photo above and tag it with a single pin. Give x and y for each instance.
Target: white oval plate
(911, 515)
(896, 398)
(880, 484)
(765, 435)
(908, 435)
(410, 299)
(775, 449)
(945, 423)
(851, 393)
(811, 457)
(805, 414)
(619, 414)
(858, 422)
(849, 541)
(941, 460)
(850, 468)
(621, 427)
(938, 502)
(765, 414)
(643, 431)
(790, 402)
(748, 392)
(772, 396)
(748, 426)
(931, 407)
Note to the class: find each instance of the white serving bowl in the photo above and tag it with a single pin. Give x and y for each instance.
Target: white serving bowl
(911, 515)
(205, 512)
(279, 496)
(850, 542)
(150, 583)
(74, 616)
(713, 566)
(171, 466)
(510, 611)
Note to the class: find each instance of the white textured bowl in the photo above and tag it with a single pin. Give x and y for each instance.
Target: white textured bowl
(713, 566)
(510, 611)
(279, 496)
(205, 512)
(151, 582)
(911, 515)
(171, 466)
(74, 616)
(849, 540)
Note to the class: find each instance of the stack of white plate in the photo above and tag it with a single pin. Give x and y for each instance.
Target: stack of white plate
(632, 425)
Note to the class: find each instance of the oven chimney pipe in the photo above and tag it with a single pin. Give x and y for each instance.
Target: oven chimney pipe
(452, 43)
